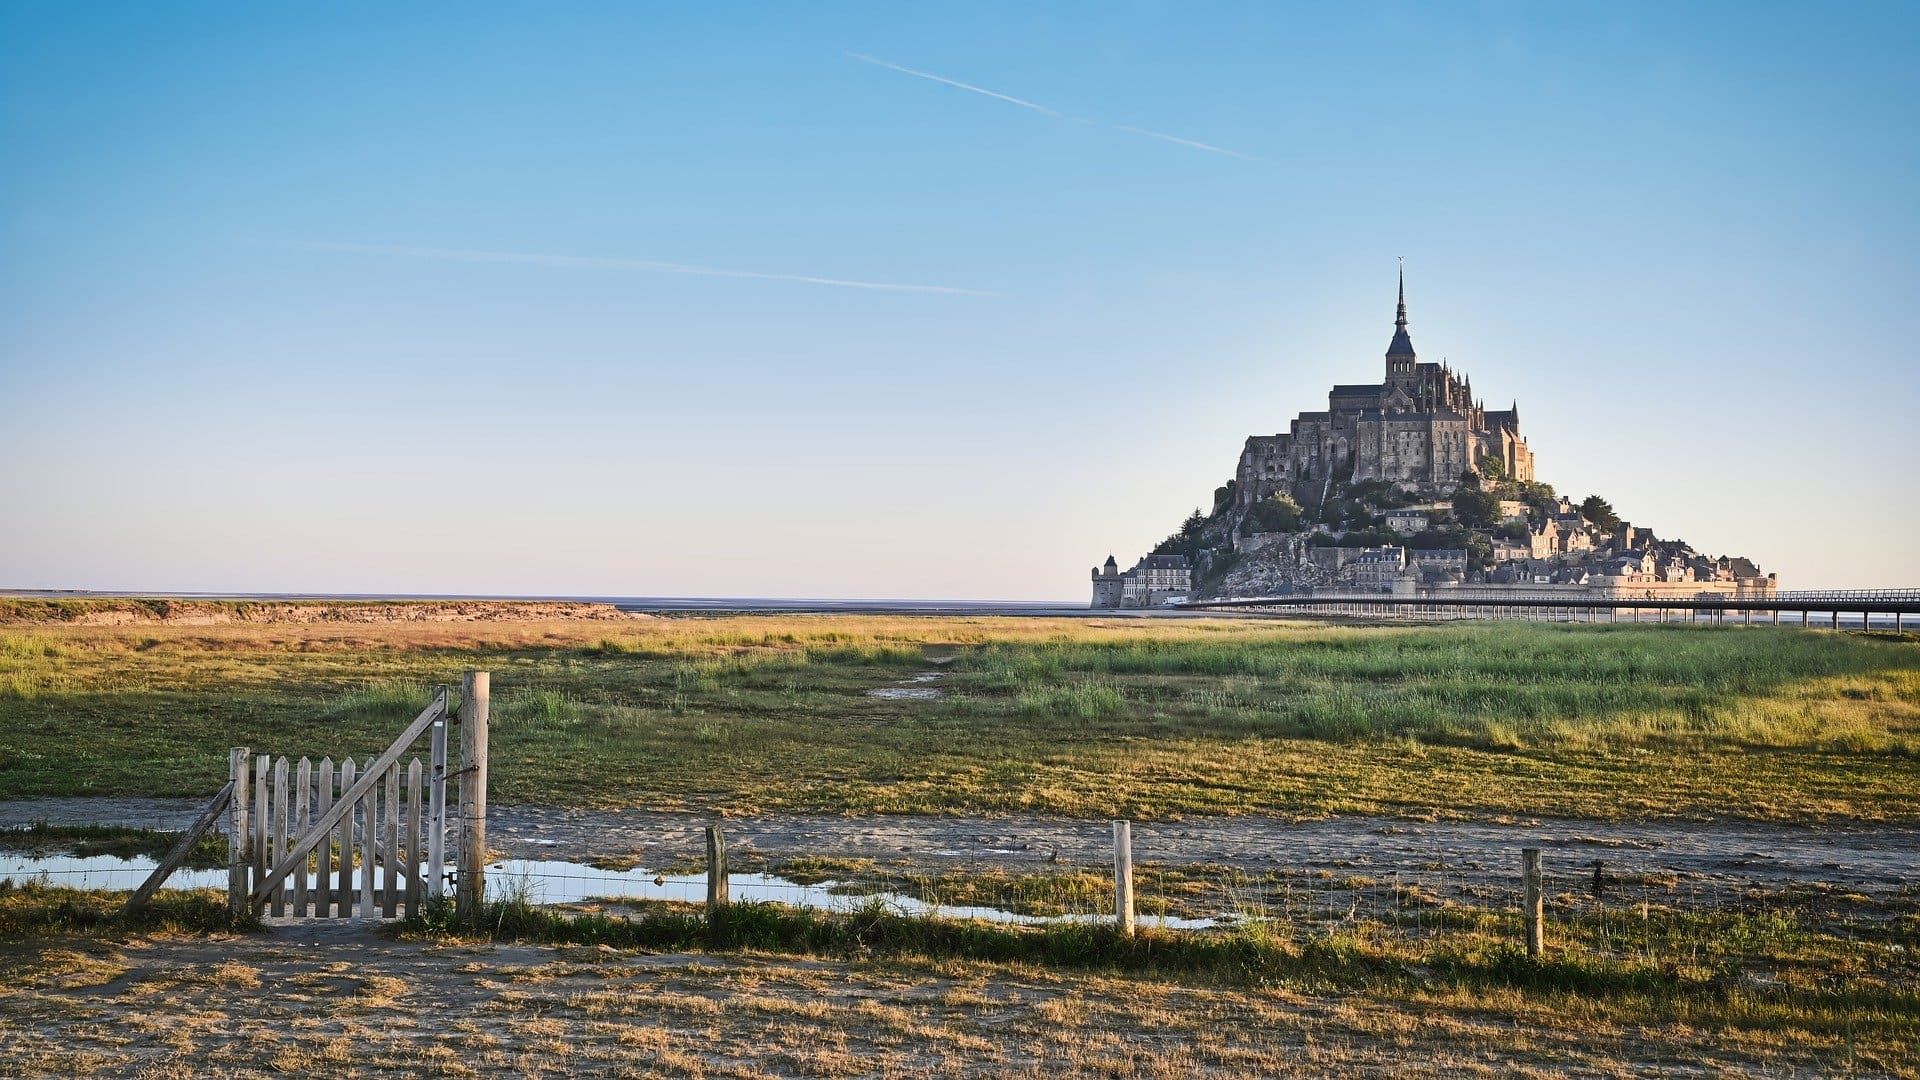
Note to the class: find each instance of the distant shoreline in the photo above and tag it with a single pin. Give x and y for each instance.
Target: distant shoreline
(635, 604)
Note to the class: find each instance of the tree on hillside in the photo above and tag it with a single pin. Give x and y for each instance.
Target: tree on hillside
(1493, 468)
(1515, 531)
(1476, 509)
(1600, 512)
(1275, 513)
(1540, 498)
(1187, 540)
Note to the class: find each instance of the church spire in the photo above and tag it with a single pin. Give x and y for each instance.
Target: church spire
(1400, 355)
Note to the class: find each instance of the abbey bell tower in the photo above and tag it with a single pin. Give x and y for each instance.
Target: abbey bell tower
(1400, 355)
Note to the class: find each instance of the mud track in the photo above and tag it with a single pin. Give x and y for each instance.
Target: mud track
(1874, 859)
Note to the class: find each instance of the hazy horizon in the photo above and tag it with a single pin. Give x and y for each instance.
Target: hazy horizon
(863, 302)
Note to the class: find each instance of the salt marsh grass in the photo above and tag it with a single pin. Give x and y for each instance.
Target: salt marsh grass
(1097, 717)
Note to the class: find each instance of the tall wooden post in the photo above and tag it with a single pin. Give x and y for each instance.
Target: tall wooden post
(237, 884)
(1534, 902)
(1123, 878)
(719, 889)
(471, 887)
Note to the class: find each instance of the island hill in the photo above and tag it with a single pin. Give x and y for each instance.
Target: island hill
(1406, 486)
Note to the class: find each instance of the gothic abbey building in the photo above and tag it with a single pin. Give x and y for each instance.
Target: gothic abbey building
(1406, 485)
(1419, 429)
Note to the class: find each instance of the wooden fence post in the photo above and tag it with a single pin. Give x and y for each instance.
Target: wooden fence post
(718, 893)
(1534, 904)
(471, 886)
(1123, 877)
(237, 884)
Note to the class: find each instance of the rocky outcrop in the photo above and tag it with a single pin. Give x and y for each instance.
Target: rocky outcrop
(1281, 563)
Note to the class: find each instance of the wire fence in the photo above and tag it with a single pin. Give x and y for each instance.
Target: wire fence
(1623, 906)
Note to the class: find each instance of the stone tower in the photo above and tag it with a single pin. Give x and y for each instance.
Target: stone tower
(1108, 585)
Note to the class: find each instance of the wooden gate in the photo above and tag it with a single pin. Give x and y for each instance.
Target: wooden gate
(369, 839)
(382, 853)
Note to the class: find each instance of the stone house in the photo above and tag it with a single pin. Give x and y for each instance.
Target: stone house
(1375, 569)
(1439, 558)
(1153, 581)
(1544, 542)
(1523, 572)
(1408, 520)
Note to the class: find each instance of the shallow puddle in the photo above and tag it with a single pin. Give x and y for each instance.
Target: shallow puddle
(905, 690)
(546, 881)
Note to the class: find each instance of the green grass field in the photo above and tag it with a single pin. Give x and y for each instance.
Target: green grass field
(1141, 718)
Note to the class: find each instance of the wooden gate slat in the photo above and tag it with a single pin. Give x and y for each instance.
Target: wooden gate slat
(369, 807)
(413, 838)
(262, 811)
(323, 881)
(302, 806)
(346, 841)
(390, 837)
(437, 815)
(279, 829)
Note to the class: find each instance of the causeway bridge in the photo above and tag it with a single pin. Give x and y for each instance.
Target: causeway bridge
(1894, 609)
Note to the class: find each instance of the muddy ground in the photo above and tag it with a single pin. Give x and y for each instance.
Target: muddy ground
(1874, 859)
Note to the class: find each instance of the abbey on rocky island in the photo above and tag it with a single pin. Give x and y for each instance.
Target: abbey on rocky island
(1419, 429)
(1404, 485)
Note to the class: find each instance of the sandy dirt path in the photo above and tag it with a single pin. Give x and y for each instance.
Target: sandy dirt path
(340, 1000)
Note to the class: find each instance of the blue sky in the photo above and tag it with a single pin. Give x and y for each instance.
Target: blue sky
(720, 300)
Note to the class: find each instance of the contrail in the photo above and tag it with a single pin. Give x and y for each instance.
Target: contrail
(653, 265)
(864, 58)
(1161, 135)
(1208, 147)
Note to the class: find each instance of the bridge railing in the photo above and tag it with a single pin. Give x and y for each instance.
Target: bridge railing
(1878, 600)
(1827, 595)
